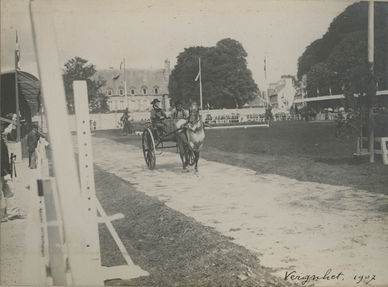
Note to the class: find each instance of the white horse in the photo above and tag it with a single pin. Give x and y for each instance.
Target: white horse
(194, 130)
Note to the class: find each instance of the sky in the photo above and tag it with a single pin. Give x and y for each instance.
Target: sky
(147, 32)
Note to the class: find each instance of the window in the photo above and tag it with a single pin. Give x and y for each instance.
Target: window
(121, 91)
(144, 91)
(156, 91)
(109, 92)
(132, 91)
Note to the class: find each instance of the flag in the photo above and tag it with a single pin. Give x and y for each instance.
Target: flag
(197, 77)
(17, 53)
(199, 70)
(265, 68)
(115, 77)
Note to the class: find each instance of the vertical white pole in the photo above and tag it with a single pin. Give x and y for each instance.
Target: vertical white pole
(85, 164)
(44, 37)
(371, 63)
(17, 93)
(125, 87)
(200, 82)
(266, 83)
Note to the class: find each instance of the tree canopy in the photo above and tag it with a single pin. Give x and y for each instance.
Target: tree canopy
(79, 69)
(226, 80)
(339, 60)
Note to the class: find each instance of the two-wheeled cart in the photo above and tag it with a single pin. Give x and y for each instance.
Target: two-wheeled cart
(152, 142)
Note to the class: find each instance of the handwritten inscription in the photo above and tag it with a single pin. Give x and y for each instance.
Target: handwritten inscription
(329, 275)
(364, 278)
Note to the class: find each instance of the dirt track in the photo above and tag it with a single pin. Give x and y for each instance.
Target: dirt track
(291, 225)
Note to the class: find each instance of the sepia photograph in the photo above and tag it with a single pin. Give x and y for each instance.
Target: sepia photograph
(194, 143)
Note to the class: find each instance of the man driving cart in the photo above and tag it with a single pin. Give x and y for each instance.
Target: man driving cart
(157, 117)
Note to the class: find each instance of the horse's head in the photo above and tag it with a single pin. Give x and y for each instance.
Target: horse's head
(194, 115)
(195, 121)
(195, 128)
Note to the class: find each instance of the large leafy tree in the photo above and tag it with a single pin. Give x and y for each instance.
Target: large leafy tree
(226, 80)
(339, 59)
(319, 80)
(79, 69)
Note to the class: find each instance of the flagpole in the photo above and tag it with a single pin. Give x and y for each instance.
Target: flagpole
(17, 90)
(200, 82)
(372, 91)
(266, 83)
(125, 87)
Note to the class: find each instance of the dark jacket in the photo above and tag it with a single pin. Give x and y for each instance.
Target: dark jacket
(179, 114)
(157, 115)
(5, 165)
(32, 140)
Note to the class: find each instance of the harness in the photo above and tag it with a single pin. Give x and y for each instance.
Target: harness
(193, 121)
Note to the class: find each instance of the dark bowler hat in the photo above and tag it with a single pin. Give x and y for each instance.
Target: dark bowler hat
(155, 101)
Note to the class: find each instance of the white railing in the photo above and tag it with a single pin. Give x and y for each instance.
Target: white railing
(332, 97)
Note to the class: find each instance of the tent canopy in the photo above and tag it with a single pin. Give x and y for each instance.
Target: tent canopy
(29, 94)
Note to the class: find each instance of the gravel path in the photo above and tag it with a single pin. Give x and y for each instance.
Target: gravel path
(302, 226)
(21, 261)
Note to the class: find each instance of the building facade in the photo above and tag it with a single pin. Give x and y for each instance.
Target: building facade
(282, 93)
(142, 86)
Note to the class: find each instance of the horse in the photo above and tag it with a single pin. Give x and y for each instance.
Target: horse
(193, 129)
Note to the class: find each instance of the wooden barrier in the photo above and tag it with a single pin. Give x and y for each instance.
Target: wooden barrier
(52, 222)
(382, 142)
(72, 243)
(90, 201)
(72, 209)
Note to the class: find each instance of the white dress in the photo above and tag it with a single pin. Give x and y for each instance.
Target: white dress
(40, 151)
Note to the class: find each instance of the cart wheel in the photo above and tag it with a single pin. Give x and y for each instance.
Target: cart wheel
(148, 144)
(189, 155)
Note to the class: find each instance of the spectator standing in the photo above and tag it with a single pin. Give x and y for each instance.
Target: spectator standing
(125, 121)
(32, 142)
(5, 177)
(40, 151)
(8, 211)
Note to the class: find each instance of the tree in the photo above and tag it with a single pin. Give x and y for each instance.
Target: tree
(226, 80)
(79, 69)
(319, 80)
(339, 59)
(309, 58)
(342, 51)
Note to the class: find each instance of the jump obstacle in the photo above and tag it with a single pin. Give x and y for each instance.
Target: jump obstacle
(69, 213)
(382, 142)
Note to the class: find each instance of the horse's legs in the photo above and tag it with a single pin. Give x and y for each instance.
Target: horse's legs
(182, 151)
(196, 153)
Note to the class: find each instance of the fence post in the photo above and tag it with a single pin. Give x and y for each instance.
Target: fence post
(44, 38)
(54, 224)
(85, 164)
